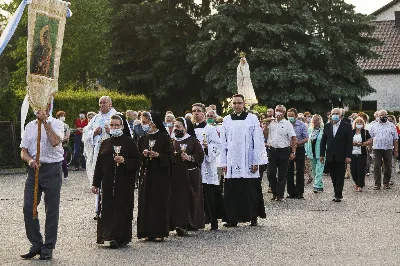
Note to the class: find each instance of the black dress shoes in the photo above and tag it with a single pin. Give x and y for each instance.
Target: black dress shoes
(230, 225)
(337, 200)
(114, 244)
(214, 226)
(181, 231)
(46, 256)
(254, 222)
(30, 254)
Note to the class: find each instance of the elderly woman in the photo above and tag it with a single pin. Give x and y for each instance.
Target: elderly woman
(313, 151)
(361, 140)
(116, 164)
(187, 203)
(169, 124)
(153, 221)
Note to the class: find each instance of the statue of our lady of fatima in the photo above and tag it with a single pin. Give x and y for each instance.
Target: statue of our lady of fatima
(244, 85)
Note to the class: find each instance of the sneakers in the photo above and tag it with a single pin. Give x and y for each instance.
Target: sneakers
(359, 189)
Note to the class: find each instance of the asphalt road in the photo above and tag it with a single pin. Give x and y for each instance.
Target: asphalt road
(361, 230)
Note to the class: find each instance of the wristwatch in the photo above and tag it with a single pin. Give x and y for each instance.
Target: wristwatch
(293, 152)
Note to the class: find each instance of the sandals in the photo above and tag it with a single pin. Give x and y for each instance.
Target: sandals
(309, 181)
(377, 187)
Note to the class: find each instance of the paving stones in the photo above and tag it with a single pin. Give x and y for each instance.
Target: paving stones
(361, 230)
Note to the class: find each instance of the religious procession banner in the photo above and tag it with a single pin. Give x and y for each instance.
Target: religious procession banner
(46, 24)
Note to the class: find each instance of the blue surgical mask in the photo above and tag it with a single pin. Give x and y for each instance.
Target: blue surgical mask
(335, 118)
(291, 119)
(116, 132)
(169, 124)
(145, 128)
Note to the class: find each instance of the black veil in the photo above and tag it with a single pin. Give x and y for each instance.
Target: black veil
(157, 119)
(189, 126)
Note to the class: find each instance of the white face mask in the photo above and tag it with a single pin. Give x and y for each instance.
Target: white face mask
(359, 126)
(62, 118)
(82, 116)
(278, 113)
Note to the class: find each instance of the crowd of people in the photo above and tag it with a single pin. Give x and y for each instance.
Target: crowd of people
(200, 168)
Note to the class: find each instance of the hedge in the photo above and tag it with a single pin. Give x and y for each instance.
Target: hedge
(72, 101)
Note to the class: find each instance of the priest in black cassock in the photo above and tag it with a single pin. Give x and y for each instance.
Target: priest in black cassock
(153, 221)
(242, 152)
(116, 164)
(187, 203)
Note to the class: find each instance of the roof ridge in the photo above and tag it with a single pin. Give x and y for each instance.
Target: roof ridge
(385, 7)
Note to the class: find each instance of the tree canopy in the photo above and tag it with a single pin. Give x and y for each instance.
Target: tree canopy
(302, 53)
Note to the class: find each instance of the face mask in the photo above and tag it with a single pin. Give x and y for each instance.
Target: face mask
(335, 118)
(62, 118)
(383, 119)
(145, 128)
(82, 116)
(169, 124)
(179, 133)
(359, 126)
(210, 120)
(278, 113)
(116, 132)
(308, 119)
(291, 119)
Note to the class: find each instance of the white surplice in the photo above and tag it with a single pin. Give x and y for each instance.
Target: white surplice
(242, 146)
(92, 142)
(209, 166)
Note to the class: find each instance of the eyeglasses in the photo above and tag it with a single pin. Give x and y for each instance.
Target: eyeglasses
(115, 125)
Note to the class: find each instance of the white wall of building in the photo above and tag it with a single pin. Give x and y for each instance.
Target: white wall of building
(387, 88)
(388, 14)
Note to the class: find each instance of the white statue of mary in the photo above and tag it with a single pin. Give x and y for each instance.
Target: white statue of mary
(245, 87)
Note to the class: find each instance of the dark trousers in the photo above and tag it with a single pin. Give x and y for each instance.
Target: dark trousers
(278, 161)
(300, 160)
(50, 178)
(64, 164)
(386, 155)
(78, 149)
(337, 171)
(357, 167)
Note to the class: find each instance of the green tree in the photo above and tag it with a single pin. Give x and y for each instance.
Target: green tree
(85, 48)
(87, 43)
(301, 53)
(150, 47)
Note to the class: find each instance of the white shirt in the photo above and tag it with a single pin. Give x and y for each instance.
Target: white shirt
(48, 153)
(383, 134)
(280, 134)
(335, 127)
(357, 149)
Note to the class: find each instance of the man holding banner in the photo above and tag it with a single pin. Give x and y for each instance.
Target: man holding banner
(50, 178)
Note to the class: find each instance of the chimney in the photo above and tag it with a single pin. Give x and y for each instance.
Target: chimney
(397, 18)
